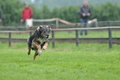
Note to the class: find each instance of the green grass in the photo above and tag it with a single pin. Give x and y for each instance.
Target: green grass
(91, 34)
(65, 62)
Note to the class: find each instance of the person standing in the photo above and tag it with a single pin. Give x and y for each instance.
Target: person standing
(27, 13)
(85, 13)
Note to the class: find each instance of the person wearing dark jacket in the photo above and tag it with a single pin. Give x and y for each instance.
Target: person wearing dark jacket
(84, 12)
(27, 13)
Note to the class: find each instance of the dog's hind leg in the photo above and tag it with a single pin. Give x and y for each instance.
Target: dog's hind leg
(35, 55)
(29, 50)
(29, 46)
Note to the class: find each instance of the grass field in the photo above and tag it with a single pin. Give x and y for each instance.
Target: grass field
(65, 62)
(91, 34)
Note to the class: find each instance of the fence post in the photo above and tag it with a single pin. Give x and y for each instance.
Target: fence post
(77, 39)
(57, 24)
(110, 35)
(30, 33)
(9, 39)
(53, 43)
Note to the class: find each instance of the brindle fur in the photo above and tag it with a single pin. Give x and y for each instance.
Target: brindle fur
(35, 44)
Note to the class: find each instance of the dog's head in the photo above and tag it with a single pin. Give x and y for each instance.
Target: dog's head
(44, 31)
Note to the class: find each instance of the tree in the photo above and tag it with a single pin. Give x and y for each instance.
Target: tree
(11, 11)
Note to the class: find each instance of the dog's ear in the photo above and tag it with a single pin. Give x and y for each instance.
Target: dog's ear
(49, 27)
(40, 28)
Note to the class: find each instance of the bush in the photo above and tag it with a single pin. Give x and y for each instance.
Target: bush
(11, 11)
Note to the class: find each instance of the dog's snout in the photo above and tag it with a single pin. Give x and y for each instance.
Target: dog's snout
(47, 36)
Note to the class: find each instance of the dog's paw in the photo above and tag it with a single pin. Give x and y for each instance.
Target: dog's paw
(39, 52)
(44, 47)
(28, 53)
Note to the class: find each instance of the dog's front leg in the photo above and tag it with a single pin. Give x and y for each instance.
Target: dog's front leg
(37, 46)
(38, 51)
(45, 45)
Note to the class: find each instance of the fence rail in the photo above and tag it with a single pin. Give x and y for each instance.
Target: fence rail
(77, 39)
(71, 40)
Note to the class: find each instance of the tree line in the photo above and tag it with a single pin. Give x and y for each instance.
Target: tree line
(11, 12)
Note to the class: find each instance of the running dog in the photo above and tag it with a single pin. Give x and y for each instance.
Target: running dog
(39, 40)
